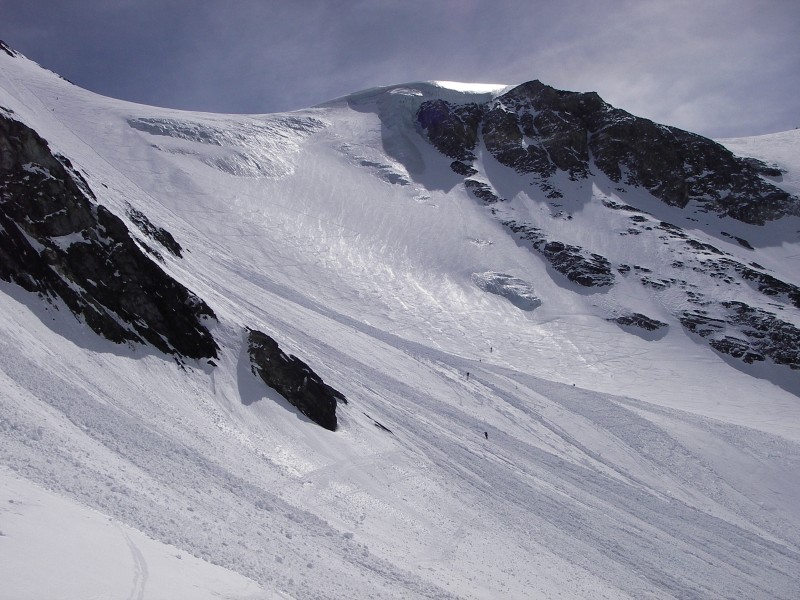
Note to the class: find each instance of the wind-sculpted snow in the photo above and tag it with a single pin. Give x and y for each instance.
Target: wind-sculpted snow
(376, 162)
(252, 148)
(517, 291)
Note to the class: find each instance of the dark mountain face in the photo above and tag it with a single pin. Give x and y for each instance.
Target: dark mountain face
(55, 240)
(543, 133)
(538, 130)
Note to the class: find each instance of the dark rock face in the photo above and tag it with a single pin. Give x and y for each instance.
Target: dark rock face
(157, 234)
(551, 122)
(590, 270)
(452, 129)
(732, 271)
(741, 241)
(763, 335)
(581, 267)
(481, 191)
(674, 165)
(294, 380)
(537, 130)
(4, 47)
(763, 168)
(460, 168)
(55, 241)
(678, 167)
(502, 134)
(641, 321)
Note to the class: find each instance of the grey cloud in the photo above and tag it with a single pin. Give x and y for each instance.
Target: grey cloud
(719, 67)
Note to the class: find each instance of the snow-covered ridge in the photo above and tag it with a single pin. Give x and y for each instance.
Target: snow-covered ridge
(486, 450)
(474, 88)
(779, 149)
(420, 91)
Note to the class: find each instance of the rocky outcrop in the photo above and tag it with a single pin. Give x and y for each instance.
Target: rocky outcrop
(732, 271)
(762, 168)
(502, 134)
(57, 242)
(674, 165)
(538, 130)
(761, 334)
(588, 270)
(460, 168)
(294, 380)
(482, 191)
(579, 266)
(679, 167)
(157, 234)
(639, 320)
(764, 282)
(741, 241)
(5, 48)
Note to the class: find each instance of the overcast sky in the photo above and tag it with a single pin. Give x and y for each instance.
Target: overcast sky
(717, 67)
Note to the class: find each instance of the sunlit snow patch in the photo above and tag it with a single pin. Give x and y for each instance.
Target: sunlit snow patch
(476, 88)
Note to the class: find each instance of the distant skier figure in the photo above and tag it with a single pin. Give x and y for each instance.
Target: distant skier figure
(467, 374)
(486, 434)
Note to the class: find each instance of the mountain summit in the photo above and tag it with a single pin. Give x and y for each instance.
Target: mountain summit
(429, 340)
(538, 130)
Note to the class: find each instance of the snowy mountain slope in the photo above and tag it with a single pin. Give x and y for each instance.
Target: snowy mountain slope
(616, 465)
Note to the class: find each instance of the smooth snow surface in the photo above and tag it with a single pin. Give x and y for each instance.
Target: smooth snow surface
(615, 467)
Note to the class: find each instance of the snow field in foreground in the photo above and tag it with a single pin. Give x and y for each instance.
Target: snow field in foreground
(63, 550)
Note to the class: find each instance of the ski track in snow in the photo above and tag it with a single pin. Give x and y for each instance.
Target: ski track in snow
(139, 570)
(609, 488)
